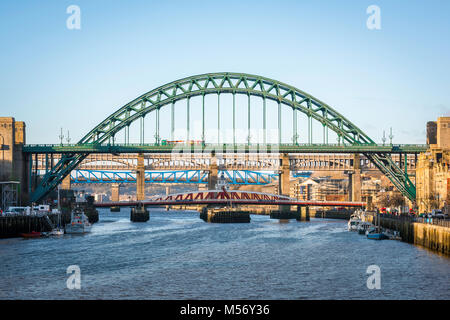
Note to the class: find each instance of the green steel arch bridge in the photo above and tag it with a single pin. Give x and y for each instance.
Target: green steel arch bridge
(102, 138)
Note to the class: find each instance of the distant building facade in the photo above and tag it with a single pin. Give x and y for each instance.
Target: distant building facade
(431, 132)
(432, 171)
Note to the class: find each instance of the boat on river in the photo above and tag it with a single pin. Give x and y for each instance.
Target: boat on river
(363, 227)
(32, 234)
(354, 222)
(79, 222)
(376, 233)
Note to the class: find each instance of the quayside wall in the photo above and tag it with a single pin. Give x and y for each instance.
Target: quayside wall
(433, 234)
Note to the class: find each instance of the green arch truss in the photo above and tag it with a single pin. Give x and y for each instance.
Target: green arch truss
(234, 83)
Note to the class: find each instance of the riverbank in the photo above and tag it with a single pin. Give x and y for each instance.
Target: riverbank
(433, 235)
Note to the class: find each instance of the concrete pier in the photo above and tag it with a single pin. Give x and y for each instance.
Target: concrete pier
(303, 213)
(139, 214)
(284, 187)
(356, 178)
(140, 178)
(224, 215)
(213, 173)
(285, 213)
(333, 214)
(115, 191)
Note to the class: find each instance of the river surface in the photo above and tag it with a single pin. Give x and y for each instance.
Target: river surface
(176, 255)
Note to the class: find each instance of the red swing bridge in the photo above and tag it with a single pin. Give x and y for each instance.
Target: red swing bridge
(228, 198)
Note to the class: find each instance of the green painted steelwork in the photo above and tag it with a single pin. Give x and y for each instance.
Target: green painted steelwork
(233, 83)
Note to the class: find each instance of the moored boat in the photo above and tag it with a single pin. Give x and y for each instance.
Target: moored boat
(32, 234)
(354, 222)
(363, 227)
(376, 233)
(392, 234)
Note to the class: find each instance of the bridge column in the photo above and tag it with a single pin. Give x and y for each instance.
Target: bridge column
(284, 180)
(139, 214)
(167, 193)
(285, 174)
(140, 178)
(115, 191)
(284, 187)
(356, 178)
(213, 173)
(302, 213)
(66, 183)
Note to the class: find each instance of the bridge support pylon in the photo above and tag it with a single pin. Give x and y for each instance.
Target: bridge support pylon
(65, 183)
(213, 173)
(115, 191)
(224, 215)
(302, 213)
(140, 178)
(356, 178)
(139, 214)
(167, 193)
(284, 186)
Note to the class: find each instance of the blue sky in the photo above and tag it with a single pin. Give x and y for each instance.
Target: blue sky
(53, 77)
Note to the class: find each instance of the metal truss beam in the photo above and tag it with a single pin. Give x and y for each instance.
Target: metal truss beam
(237, 177)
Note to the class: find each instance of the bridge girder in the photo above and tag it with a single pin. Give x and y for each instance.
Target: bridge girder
(254, 162)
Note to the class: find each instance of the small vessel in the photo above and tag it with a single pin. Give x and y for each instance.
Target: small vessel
(376, 233)
(354, 222)
(363, 227)
(58, 230)
(392, 235)
(32, 234)
(79, 222)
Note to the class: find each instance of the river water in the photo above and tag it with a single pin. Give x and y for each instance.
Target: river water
(176, 255)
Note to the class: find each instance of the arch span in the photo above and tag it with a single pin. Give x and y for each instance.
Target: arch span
(234, 83)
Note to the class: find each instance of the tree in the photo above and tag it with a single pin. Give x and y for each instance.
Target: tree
(396, 200)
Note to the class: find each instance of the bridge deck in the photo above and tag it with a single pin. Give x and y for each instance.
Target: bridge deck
(234, 202)
(224, 148)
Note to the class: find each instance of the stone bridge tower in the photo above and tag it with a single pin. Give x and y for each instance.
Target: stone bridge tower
(14, 165)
